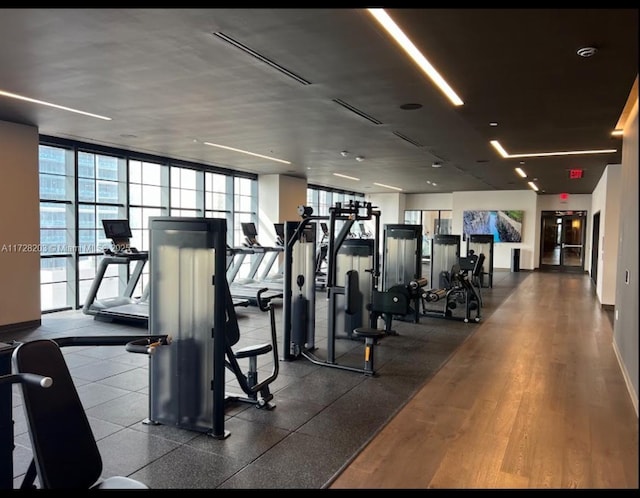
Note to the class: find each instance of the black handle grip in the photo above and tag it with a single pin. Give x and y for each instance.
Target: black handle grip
(27, 378)
(147, 345)
(264, 306)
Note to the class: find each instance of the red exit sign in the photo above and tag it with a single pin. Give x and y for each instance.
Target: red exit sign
(575, 173)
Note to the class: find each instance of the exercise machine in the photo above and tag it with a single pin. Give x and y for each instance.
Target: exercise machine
(460, 294)
(483, 244)
(125, 307)
(345, 300)
(402, 266)
(256, 391)
(35, 371)
(445, 251)
(321, 258)
(190, 295)
(399, 301)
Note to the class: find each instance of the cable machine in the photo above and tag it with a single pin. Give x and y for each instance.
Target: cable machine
(402, 269)
(298, 321)
(445, 251)
(483, 244)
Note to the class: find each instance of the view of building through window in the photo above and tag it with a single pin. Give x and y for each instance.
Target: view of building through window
(79, 187)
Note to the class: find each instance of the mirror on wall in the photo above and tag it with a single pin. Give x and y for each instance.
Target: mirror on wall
(434, 222)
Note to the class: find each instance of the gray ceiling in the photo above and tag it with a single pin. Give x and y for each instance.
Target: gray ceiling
(169, 84)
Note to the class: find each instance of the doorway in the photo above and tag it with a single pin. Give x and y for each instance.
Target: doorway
(562, 241)
(595, 244)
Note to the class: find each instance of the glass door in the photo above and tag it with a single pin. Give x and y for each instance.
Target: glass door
(562, 241)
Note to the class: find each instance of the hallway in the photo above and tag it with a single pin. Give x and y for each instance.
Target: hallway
(534, 399)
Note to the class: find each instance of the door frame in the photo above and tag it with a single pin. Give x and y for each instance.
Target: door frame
(595, 245)
(562, 267)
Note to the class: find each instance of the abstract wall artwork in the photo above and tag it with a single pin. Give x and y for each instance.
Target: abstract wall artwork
(505, 226)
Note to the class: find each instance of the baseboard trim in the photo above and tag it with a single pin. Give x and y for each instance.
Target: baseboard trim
(13, 327)
(632, 394)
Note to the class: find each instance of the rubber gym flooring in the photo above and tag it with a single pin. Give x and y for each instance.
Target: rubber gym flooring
(323, 416)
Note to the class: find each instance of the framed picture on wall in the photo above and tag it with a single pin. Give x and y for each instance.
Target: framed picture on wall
(505, 226)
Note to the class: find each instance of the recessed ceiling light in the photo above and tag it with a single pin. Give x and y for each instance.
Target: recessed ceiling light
(493, 123)
(359, 158)
(617, 133)
(410, 107)
(587, 51)
(247, 152)
(521, 172)
(496, 145)
(49, 104)
(347, 177)
(344, 153)
(407, 45)
(429, 182)
(436, 164)
(387, 186)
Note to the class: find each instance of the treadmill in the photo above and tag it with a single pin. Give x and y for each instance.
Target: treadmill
(247, 288)
(124, 307)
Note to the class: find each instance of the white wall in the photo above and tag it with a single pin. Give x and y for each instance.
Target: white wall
(527, 200)
(429, 202)
(19, 193)
(605, 200)
(391, 207)
(625, 327)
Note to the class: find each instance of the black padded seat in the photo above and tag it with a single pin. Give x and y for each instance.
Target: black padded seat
(249, 351)
(65, 453)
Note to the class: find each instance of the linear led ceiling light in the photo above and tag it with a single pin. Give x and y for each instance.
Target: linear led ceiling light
(247, 152)
(347, 177)
(388, 186)
(506, 155)
(521, 172)
(407, 45)
(533, 186)
(49, 104)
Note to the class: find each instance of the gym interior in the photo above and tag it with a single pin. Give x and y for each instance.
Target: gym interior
(169, 324)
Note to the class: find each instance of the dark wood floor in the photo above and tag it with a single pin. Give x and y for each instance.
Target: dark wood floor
(534, 399)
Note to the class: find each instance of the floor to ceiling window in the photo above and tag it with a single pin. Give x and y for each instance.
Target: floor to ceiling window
(57, 228)
(321, 199)
(102, 194)
(80, 185)
(148, 197)
(187, 197)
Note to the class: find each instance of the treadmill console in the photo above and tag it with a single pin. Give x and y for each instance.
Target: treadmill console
(119, 232)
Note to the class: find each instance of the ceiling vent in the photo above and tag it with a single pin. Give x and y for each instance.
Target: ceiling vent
(357, 111)
(261, 58)
(407, 139)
